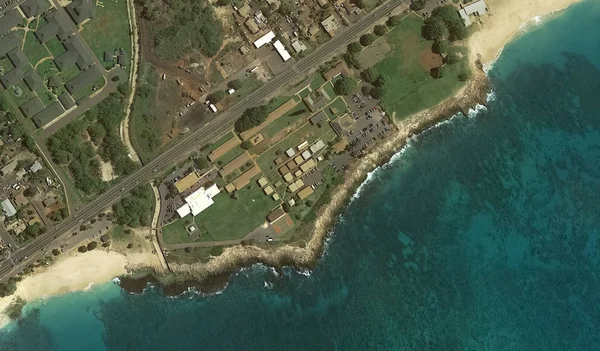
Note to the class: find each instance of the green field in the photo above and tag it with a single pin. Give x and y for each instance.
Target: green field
(218, 143)
(328, 88)
(55, 47)
(229, 156)
(34, 50)
(317, 82)
(25, 96)
(298, 113)
(340, 108)
(109, 30)
(231, 218)
(176, 233)
(410, 88)
(47, 69)
(45, 96)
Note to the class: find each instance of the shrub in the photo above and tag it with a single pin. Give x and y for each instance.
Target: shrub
(437, 72)
(463, 77)
(216, 251)
(216, 96)
(82, 249)
(92, 245)
(56, 252)
(246, 144)
(235, 84)
(417, 5)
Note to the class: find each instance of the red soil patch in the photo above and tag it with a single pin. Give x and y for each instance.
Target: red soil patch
(429, 59)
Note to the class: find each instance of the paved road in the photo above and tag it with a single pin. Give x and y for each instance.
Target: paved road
(220, 124)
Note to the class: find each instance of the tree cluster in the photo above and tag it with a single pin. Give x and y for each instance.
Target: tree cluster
(377, 80)
(216, 96)
(344, 86)
(181, 25)
(136, 209)
(252, 117)
(444, 22)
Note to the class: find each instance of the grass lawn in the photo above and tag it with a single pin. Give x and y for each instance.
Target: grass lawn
(69, 73)
(34, 50)
(231, 218)
(55, 47)
(26, 94)
(109, 30)
(328, 88)
(47, 69)
(176, 233)
(298, 113)
(229, 156)
(249, 85)
(340, 108)
(118, 232)
(5, 64)
(303, 93)
(45, 96)
(317, 81)
(410, 88)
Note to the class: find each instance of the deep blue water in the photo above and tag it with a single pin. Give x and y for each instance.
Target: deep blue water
(483, 235)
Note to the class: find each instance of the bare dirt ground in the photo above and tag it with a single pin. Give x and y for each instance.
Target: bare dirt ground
(374, 53)
(429, 59)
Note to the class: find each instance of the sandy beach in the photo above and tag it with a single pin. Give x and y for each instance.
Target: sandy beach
(504, 21)
(77, 271)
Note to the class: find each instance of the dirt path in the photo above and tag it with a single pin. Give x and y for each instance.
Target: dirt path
(155, 228)
(135, 63)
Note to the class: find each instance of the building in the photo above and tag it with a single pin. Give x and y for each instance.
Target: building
(265, 39)
(308, 165)
(234, 164)
(58, 25)
(223, 149)
(477, 8)
(11, 78)
(340, 68)
(262, 182)
(109, 56)
(8, 208)
(8, 42)
(32, 79)
(36, 166)
(318, 145)
(75, 54)
(54, 81)
(304, 193)
(48, 202)
(298, 46)
(318, 118)
(252, 26)
(342, 125)
(10, 20)
(17, 58)
(48, 114)
(84, 79)
(32, 107)
(20, 200)
(66, 100)
(17, 227)
(33, 8)
(9, 168)
(322, 3)
(274, 215)
(290, 152)
(122, 60)
(306, 154)
(245, 178)
(244, 11)
(268, 190)
(187, 182)
(316, 100)
(282, 51)
(198, 201)
(330, 24)
(81, 10)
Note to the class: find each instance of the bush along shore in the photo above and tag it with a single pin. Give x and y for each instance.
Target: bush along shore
(212, 277)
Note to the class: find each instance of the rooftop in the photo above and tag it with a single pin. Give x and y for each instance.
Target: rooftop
(33, 79)
(10, 20)
(33, 8)
(48, 115)
(81, 10)
(83, 80)
(32, 107)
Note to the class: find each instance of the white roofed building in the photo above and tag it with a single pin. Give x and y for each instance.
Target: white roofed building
(198, 201)
(477, 8)
(265, 39)
(281, 50)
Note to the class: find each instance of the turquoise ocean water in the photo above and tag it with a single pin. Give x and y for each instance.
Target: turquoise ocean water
(483, 235)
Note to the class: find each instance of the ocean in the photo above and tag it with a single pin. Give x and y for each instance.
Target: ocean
(482, 234)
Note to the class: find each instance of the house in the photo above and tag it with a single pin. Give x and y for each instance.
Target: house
(339, 69)
(282, 51)
(48, 114)
(298, 46)
(262, 182)
(330, 24)
(83, 80)
(252, 26)
(17, 58)
(32, 107)
(58, 25)
(243, 50)
(316, 100)
(36, 166)
(81, 10)
(9, 168)
(318, 145)
(109, 56)
(11, 78)
(66, 100)
(10, 20)
(265, 39)
(477, 8)
(20, 200)
(33, 8)
(48, 202)
(314, 30)
(122, 59)
(318, 118)
(268, 190)
(274, 215)
(17, 226)
(32, 79)
(8, 42)
(244, 11)
(304, 193)
(54, 81)
(308, 165)
(76, 54)
(8, 208)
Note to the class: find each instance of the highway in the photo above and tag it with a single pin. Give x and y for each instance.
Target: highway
(217, 126)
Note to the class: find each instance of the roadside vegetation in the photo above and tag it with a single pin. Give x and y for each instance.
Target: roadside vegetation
(146, 130)
(136, 209)
(181, 25)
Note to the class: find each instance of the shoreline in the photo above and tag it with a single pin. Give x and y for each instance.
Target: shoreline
(212, 277)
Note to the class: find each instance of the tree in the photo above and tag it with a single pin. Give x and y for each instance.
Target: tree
(453, 56)
(201, 162)
(393, 21)
(115, 78)
(440, 47)
(82, 249)
(377, 92)
(216, 251)
(380, 29)
(286, 7)
(437, 72)
(351, 60)
(29, 143)
(380, 81)
(252, 117)
(365, 89)
(417, 5)
(30, 191)
(344, 86)
(223, 2)
(354, 47)
(367, 39)
(216, 96)
(246, 144)
(448, 15)
(56, 252)
(235, 84)
(369, 75)
(92, 245)
(434, 29)
(463, 77)
(136, 209)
